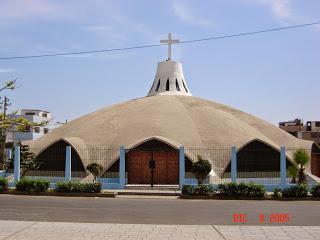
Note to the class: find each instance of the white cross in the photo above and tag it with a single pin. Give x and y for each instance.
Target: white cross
(169, 41)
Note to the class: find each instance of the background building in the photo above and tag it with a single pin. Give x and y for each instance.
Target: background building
(33, 115)
(309, 131)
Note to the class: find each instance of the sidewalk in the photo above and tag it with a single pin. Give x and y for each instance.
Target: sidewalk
(62, 230)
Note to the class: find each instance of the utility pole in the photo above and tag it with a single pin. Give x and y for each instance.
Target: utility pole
(5, 105)
(3, 133)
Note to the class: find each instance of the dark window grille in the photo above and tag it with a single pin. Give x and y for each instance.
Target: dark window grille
(167, 85)
(185, 88)
(177, 85)
(158, 86)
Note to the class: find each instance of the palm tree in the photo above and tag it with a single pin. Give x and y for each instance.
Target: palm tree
(292, 172)
(95, 169)
(301, 158)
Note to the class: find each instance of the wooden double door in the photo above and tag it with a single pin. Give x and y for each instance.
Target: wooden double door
(165, 171)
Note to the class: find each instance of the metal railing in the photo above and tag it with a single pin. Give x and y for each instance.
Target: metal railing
(260, 166)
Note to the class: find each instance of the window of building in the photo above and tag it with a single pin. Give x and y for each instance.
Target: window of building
(44, 115)
(185, 88)
(317, 124)
(177, 85)
(315, 135)
(37, 129)
(158, 86)
(25, 129)
(167, 85)
(30, 113)
(45, 130)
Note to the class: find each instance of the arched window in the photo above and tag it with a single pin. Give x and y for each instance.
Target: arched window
(185, 88)
(158, 85)
(167, 85)
(177, 85)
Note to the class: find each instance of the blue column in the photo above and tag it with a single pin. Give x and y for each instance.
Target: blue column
(182, 170)
(16, 163)
(234, 164)
(283, 167)
(68, 164)
(122, 168)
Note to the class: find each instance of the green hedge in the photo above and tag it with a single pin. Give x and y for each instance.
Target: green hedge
(187, 190)
(277, 193)
(315, 190)
(300, 190)
(228, 190)
(241, 190)
(200, 190)
(3, 184)
(31, 185)
(78, 187)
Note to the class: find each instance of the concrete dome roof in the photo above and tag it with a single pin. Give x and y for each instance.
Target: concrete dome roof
(177, 120)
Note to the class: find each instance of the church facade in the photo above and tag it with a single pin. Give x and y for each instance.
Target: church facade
(156, 126)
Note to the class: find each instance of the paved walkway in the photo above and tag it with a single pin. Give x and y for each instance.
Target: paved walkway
(62, 230)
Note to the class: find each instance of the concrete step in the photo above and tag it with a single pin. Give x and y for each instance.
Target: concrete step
(148, 187)
(151, 192)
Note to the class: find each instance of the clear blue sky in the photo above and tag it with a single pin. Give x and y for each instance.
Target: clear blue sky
(275, 76)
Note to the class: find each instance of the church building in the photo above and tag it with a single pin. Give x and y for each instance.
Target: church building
(157, 125)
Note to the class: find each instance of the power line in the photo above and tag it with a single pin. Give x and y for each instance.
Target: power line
(157, 45)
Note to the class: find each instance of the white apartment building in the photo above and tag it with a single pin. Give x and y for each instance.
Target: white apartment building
(33, 115)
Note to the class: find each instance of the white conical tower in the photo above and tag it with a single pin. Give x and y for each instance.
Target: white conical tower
(169, 79)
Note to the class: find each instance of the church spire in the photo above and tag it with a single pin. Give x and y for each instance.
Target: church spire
(169, 79)
(169, 41)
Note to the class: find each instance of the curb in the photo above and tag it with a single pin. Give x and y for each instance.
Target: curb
(150, 193)
(57, 194)
(251, 198)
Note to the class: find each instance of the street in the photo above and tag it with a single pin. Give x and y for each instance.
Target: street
(158, 211)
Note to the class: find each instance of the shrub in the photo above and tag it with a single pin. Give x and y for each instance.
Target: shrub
(30, 185)
(78, 187)
(277, 193)
(241, 190)
(95, 169)
(203, 190)
(187, 190)
(229, 189)
(3, 184)
(255, 190)
(201, 169)
(300, 190)
(315, 190)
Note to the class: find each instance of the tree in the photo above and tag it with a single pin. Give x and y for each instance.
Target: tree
(301, 158)
(201, 169)
(292, 172)
(28, 161)
(10, 121)
(95, 169)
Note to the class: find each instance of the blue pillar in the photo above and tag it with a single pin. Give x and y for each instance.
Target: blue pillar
(234, 164)
(68, 164)
(283, 167)
(16, 163)
(182, 170)
(122, 168)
